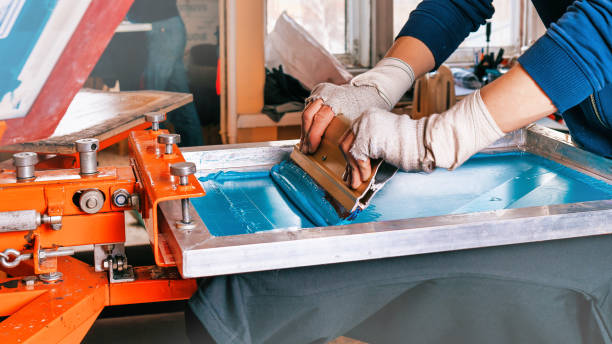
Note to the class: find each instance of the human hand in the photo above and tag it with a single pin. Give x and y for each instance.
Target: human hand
(444, 140)
(328, 100)
(357, 171)
(379, 134)
(381, 87)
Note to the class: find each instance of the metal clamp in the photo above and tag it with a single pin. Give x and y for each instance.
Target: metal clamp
(112, 258)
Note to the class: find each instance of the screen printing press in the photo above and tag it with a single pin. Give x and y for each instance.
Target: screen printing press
(533, 185)
(215, 210)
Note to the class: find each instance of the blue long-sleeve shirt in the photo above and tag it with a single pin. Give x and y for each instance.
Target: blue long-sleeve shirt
(570, 62)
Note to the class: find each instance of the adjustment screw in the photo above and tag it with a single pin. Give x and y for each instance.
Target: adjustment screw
(183, 170)
(155, 118)
(169, 140)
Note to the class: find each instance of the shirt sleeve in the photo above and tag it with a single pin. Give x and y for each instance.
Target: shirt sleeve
(443, 24)
(574, 58)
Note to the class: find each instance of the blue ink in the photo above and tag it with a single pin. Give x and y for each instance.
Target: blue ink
(245, 202)
(248, 202)
(305, 193)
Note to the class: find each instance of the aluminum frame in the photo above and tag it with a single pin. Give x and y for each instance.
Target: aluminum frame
(198, 254)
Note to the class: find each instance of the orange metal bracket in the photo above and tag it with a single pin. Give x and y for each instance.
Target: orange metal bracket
(152, 284)
(64, 311)
(52, 193)
(53, 313)
(159, 185)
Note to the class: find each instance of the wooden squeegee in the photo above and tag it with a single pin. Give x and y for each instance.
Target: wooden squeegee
(327, 165)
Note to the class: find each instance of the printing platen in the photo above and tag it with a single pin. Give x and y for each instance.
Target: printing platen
(248, 202)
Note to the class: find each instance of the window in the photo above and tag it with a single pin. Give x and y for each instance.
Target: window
(358, 31)
(323, 19)
(505, 31)
(341, 26)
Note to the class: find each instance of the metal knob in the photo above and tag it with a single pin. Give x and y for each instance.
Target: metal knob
(24, 163)
(155, 118)
(91, 201)
(183, 170)
(169, 140)
(87, 149)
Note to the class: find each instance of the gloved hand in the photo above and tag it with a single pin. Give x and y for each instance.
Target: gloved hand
(440, 140)
(381, 87)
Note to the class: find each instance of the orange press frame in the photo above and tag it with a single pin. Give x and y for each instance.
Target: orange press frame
(158, 184)
(63, 311)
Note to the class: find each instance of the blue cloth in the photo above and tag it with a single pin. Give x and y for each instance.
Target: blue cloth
(571, 62)
(165, 71)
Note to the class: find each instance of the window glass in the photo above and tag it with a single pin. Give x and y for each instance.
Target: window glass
(504, 29)
(323, 19)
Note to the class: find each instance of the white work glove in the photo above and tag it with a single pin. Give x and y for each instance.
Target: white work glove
(381, 87)
(440, 140)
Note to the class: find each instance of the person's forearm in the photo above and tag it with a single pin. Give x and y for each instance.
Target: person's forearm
(515, 100)
(413, 52)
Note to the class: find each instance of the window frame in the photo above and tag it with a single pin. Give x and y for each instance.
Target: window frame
(369, 34)
(526, 25)
(357, 33)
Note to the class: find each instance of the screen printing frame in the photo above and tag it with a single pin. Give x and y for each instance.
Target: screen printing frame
(198, 254)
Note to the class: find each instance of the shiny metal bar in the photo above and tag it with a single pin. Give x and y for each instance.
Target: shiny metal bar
(559, 147)
(199, 254)
(185, 210)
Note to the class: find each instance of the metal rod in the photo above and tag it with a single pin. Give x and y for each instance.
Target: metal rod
(20, 220)
(184, 180)
(89, 162)
(185, 207)
(55, 253)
